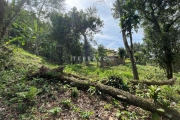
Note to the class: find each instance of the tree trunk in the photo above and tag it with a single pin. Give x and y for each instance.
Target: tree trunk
(86, 49)
(149, 105)
(133, 62)
(38, 29)
(2, 12)
(169, 70)
(134, 68)
(131, 55)
(130, 50)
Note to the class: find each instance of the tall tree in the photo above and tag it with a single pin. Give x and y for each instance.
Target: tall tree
(66, 36)
(11, 11)
(2, 11)
(87, 23)
(125, 10)
(43, 9)
(160, 22)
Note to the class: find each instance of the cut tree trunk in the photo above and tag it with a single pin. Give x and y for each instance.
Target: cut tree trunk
(145, 104)
(163, 82)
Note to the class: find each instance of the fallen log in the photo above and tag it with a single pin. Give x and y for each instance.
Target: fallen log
(145, 104)
(164, 82)
(128, 97)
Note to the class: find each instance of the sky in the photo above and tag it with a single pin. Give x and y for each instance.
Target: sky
(111, 36)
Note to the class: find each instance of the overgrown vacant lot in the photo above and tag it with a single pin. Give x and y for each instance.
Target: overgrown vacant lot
(51, 98)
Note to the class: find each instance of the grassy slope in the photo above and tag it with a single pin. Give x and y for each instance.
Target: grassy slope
(124, 71)
(14, 87)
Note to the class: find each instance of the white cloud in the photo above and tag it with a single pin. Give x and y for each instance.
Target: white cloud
(111, 37)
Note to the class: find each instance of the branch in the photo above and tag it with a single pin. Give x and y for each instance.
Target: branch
(173, 21)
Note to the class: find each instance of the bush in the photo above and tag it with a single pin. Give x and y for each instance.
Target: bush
(117, 82)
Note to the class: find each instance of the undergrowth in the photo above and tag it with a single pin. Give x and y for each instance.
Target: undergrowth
(23, 98)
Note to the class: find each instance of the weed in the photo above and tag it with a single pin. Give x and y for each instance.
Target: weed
(170, 93)
(74, 93)
(86, 114)
(66, 103)
(91, 90)
(76, 109)
(107, 106)
(28, 95)
(21, 107)
(55, 111)
(154, 92)
(117, 82)
(126, 115)
(115, 102)
(155, 116)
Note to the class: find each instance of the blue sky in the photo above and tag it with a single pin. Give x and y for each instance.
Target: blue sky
(111, 37)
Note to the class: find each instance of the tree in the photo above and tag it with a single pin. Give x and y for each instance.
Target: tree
(67, 37)
(160, 23)
(140, 52)
(125, 10)
(10, 12)
(101, 54)
(11, 9)
(87, 23)
(122, 53)
(2, 11)
(43, 10)
(61, 31)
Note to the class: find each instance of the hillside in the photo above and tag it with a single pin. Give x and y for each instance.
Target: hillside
(49, 98)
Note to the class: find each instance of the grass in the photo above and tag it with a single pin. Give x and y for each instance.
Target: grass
(145, 72)
(26, 98)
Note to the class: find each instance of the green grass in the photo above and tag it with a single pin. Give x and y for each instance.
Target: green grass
(15, 89)
(13, 81)
(145, 72)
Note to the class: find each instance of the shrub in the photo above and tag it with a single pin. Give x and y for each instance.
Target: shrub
(74, 93)
(117, 82)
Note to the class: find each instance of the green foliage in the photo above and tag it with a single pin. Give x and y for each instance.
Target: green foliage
(55, 111)
(91, 90)
(30, 95)
(101, 51)
(117, 82)
(171, 93)
(154, 92)
(86, 114)
(66, 103)
(162, 39)
(74, 93)
(21, 107)
(108, 106)
(155, 117)
(121, 52)
(76, 109)
(115, 102)
(126, 115)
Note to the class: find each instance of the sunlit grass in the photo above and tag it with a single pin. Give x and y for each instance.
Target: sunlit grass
(146, 72)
